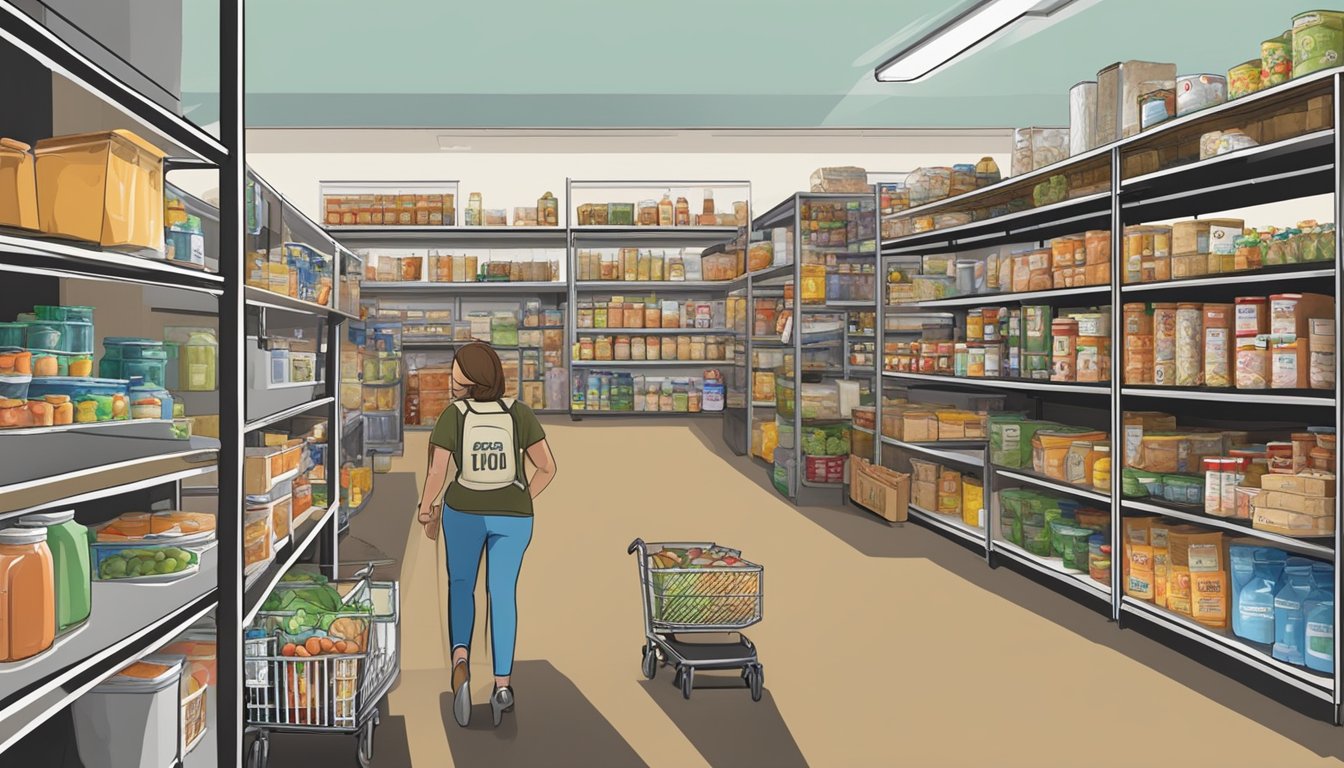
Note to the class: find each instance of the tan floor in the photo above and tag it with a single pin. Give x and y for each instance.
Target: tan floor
(881, 645)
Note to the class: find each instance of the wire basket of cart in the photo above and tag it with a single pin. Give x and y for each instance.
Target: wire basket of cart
(690, 590)
(319, 658)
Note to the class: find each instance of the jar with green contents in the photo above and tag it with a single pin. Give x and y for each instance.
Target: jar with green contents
(69, 545)
(197, 361)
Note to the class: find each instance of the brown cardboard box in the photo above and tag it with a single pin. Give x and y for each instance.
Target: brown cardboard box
(1306, 484)
(1318, 113)
(924, 471)
(1190, 237)
(879, 490)
(1286, 523)
(1289, 364)
(1316, 506)
(1187, 265)
(924, 495)
(920, 426)
(1098, 274)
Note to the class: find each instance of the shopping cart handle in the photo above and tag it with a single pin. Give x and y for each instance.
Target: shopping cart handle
(634, 545)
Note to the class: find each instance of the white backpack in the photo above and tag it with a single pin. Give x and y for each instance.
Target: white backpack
(490, 456)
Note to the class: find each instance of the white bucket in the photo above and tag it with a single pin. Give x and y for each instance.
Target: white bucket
(132, 723)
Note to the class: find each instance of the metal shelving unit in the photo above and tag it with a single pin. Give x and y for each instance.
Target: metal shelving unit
(705, 239)
(1283, 170)
(89, 467)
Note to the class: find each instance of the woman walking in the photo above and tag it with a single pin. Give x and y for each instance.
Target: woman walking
(483, 443)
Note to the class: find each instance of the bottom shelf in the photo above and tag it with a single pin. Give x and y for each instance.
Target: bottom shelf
(1317, 685)
(1053, 567)
(952, 524)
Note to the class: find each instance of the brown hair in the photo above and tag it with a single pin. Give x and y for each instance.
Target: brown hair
(480, 364)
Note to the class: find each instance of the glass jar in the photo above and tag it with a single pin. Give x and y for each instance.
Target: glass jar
(28, 618)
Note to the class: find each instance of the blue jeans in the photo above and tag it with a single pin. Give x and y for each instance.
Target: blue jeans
(504, 539)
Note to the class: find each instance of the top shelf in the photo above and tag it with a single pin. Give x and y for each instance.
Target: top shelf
(1283, 169)
(33, 38)
(652, 236)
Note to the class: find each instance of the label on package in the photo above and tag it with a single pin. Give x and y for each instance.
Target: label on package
(1223, 240)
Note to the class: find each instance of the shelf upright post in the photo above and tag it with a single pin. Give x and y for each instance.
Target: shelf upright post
(328, 538)
(572, 295)
(800, 463)
(1338, 157)
(1117, 368)
(232, 376)
(879, 299)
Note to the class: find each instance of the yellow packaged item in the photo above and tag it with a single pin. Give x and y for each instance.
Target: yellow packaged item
(814, 283)
(1178, 589)
(1158, 537)
(769, 440)
(1050, 451)
(972, 501)
(18, 186)
(1139, 582)
(104, 188)
(949, 492)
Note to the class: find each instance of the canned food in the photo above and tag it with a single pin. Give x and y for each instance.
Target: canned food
(1243, 79)
(1276, 60)
(1318, 41)
(1196, 92)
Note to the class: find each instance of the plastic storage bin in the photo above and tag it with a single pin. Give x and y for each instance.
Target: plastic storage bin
(18, 186)
(133, 719)
(15, 387)
(105, 188)
(125, 357)
(142, 400)
(257, 539)
(64, 314)
(95, 400)
(12, 334)
(139, 561)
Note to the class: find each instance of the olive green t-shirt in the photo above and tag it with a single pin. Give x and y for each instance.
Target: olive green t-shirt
(503, 501)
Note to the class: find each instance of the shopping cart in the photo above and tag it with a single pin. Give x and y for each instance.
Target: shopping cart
(681, 602)
(330, 693)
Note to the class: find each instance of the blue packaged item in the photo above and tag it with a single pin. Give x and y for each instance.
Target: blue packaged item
(1253, 612)
(1289, 619)
(1241, 563)
(1320, 631)
(1068, 508)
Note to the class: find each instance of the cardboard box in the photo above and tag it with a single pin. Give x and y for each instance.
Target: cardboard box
(1306, 484)
(1190, 237)
(924, 495)
(1286, 523)
(1306, 306)
(1316, 506)
(1187, 265)
(924, 471)
(919, 426)
(1097, 274)
(879, 490)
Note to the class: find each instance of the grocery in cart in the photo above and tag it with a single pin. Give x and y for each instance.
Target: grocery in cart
(696, 589)
(319, 658)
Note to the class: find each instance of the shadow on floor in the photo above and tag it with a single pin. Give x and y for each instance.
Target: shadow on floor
(724, 724)
(553, 724)
(391, 747)
(874, 537)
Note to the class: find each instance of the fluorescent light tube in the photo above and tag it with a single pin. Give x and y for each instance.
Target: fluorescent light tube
(979, 23)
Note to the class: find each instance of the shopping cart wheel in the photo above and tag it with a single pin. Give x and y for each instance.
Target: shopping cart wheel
(650, 661)
(687, 681)
(756, 680)
(364, 755)
(260, 751)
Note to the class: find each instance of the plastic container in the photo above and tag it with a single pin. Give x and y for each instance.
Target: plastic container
(197, 363)
(1289, 616)
(149, 401)
(68, 542)
(133, 719)
(28, 614)
(257, 539)
(12, 335)
(1196, 92)
(1318, 41)
(15, 386)
(118, 200)
(63, 314)
(140, 561)
(95, 400)
(185, 243)
(124, 357)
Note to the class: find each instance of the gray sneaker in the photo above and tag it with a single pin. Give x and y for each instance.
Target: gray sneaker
(461, 693)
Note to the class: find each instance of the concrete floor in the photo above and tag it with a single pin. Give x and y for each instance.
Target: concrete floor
(881, 645)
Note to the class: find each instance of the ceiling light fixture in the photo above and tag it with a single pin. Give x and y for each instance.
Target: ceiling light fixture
(978, 24)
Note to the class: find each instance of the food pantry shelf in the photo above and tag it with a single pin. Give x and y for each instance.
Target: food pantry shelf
(1002, 383)
(1004, 298)
(356, 236)
(287, 413)
(948, 450)
(1053, 568)
(666, 286)
(650, 331)
(1307, 546)
(60, 468)
(645, 363)
(497, 287)
(127, 620)
(1305, 680)
(47, 48)
(257, 297)
(61, 258)
(261, 584)
(1031, 478)
(951, 524)
(1258, 277)
(1068, 216)
(1259, 396)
